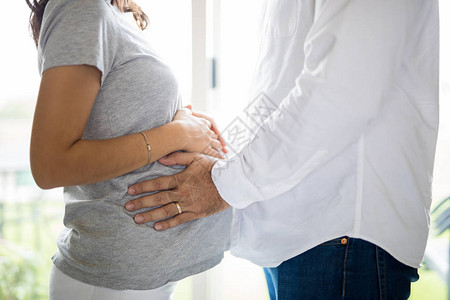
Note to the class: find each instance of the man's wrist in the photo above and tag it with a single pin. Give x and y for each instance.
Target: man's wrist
(233, 184)
(214, 176)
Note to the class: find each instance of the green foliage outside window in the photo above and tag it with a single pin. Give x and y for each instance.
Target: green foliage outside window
(18, 276)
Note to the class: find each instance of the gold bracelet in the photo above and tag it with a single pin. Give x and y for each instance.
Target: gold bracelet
(148, 146)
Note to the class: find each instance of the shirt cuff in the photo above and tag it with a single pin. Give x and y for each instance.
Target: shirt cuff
(233, 184)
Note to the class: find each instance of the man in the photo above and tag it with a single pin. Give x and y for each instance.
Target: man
(333, 193)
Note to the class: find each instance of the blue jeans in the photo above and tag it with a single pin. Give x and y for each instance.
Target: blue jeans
(343, 268)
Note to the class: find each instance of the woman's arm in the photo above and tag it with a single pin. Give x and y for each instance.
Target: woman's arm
(59, 157)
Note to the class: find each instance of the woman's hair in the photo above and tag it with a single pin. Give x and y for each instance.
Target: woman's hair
(38, 6)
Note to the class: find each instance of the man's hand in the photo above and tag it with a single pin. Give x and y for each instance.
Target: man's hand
(183, 197)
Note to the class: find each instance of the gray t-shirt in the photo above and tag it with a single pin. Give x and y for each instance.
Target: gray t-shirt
(101, 245)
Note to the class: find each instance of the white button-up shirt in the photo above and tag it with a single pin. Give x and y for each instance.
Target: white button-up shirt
(349, 146)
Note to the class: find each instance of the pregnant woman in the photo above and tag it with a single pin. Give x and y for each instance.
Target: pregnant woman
(108, 108)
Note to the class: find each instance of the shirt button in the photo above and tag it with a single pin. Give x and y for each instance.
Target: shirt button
(344, 241)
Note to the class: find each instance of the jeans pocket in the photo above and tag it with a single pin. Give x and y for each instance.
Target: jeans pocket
(394, 277)
(282, 18)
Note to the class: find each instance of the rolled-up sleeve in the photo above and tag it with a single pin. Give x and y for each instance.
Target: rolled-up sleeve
(352, 53)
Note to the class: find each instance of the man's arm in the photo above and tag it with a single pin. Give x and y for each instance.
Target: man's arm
(353, 51)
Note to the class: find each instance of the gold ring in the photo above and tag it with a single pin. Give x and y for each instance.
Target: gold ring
(178, 207)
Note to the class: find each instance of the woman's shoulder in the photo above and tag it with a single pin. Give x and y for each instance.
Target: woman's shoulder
(78, 32)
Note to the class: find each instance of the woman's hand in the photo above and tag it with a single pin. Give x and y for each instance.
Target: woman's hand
(199, 134)
(213, 126)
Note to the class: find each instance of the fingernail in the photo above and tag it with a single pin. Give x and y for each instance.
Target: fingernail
(131, 190)
(138, 219)
(158, 226)
(129, 206)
